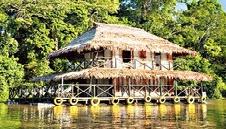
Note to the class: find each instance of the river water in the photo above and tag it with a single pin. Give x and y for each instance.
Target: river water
(167, 116)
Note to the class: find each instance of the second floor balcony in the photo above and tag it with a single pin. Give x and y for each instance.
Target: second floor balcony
(109, 62)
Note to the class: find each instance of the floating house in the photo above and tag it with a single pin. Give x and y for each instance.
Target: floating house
(118, 63)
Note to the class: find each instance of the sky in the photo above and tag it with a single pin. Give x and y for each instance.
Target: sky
(223, 3)
(182, 6)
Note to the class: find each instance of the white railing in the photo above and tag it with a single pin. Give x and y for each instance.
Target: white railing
(108, 62)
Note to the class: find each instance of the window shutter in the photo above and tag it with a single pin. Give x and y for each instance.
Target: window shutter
(142, 54)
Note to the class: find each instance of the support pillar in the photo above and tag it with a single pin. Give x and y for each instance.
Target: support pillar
(129, 88)
(201, 87)
(160, 86)
(175, 87)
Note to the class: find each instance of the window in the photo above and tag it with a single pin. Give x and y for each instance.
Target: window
(101, 53)
(157, 59)
(142, 54)
(126, 56)
(169, 57)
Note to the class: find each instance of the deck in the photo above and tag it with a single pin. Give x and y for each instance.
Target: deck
(96, 93)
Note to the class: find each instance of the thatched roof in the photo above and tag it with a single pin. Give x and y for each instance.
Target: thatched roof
(107, 73)
(111, 36)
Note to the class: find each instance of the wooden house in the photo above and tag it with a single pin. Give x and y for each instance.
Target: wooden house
(121, 63)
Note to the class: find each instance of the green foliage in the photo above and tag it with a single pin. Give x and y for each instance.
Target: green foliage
(62, 65)
(7, 123)
(152, 15)
(8, 45)
(45, 25)
(4, 90)
(197, 63)
(11, 70)
(212, 48)
(11, 74)
(218, 86)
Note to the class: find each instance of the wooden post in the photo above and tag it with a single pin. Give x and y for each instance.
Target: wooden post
(135, 63)
(132, 55)
(129, 88)
(92, 63)
(175, 86)
(90, 85)
(152, 65)
(77, 86)
(115, 62)
(114, 85)
(201, 87)
(160, 63)
(160, 86)
(62, 83)
(94, 89)
(72, 88)
(146, 87)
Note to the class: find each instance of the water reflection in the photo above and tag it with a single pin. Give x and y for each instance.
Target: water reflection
(95, 111)
(204, 111)
(115, 111)
(177, 110)
(130, 109)
(163, 111)
(8, 118)
(74, 111)
(190, 112)
(118, 116)
(57, 112)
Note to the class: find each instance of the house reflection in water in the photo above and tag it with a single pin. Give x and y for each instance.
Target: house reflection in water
(117, 116)
(120, 115)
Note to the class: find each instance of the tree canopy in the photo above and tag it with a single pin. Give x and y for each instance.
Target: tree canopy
(31, 29)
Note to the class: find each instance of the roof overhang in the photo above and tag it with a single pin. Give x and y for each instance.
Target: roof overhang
(110, 73)
(111, 36)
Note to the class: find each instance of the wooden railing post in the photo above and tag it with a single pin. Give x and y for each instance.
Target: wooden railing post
(115, 62)
(129, 88)
(135, 63)
(94, 90)
(160, 87)
(175, 85)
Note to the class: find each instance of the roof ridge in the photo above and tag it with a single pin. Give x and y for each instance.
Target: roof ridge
(125, 26)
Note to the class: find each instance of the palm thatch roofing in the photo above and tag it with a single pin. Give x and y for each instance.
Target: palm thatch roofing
(112, 36)
(108, 73)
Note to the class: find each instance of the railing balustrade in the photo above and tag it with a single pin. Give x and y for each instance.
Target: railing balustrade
(103, 90)
(108, 62)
